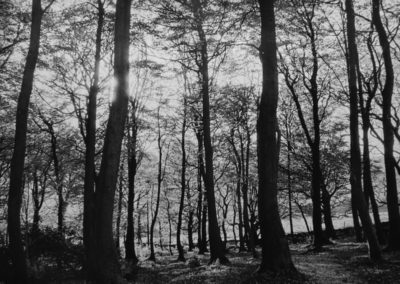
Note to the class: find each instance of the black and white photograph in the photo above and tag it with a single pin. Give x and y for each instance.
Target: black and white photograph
(199, 141)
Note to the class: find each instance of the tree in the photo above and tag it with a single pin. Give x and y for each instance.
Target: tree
(19, 267)
(388, 136)
(275, 250)
(160, 177)
(106, 266)
(216, 247)
(90, 143)
(355, 155)
(181, 256)
(133, 164)
(316, 98)
(371, 85)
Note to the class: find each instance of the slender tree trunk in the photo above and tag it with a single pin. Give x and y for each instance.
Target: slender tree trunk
(289, 180)
(106, 257)
(38, 198)
(169, 227)
(18, 260)
(275, 250)
(199, 207)
(240, 225)
(203, 204)
(90, 141)
(159, 180)
(139, 224)
(304, 217)
(181, 256)
(160, 237)
(119, 210)
(204, 226)
(130, 253)
(387, 92)
(190, 222)
(234, 224)
(216, 249)
(367, 181)
(355, 155)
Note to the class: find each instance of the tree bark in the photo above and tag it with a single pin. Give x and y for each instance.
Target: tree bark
(181, 256)
(216, 249)
(326, 201)
(106, 257)
(130, 253)
(90, 141)
(119, 209)
(355, 155)
(388, 135)
(18, 260)
(159, 181)
(275, 250)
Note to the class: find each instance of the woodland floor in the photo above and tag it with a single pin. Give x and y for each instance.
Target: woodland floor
(342, 262)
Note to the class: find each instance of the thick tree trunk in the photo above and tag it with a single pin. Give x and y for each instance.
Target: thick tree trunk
(19, 266)
(275, 250)
(356, 221)
(90, 141)
(355, 155)
(326, 200)
(387, 92)
(106, 258)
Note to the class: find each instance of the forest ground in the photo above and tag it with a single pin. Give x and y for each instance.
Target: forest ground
(345, 261)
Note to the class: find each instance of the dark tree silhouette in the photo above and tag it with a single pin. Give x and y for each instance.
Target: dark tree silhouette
(19, 266)
(275, 250)
(216, 247)
(355, 155)
(388, 135)
(105, 256)
(90, 152)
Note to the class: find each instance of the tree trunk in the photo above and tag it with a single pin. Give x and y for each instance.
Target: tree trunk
(356, 221)
(355, 155)
(387, 92)
(326, 201)
(216, 249)
(201, 242)
(234, 223)
(289, 180)
(275, 250)
(119, 210)
(159, 180)
(181, 256)
(240, 224)
(18, 260)
(106, 258)
(90, 141)
(130, 253)
(169, 227)
(190, 222)
(367, 181)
